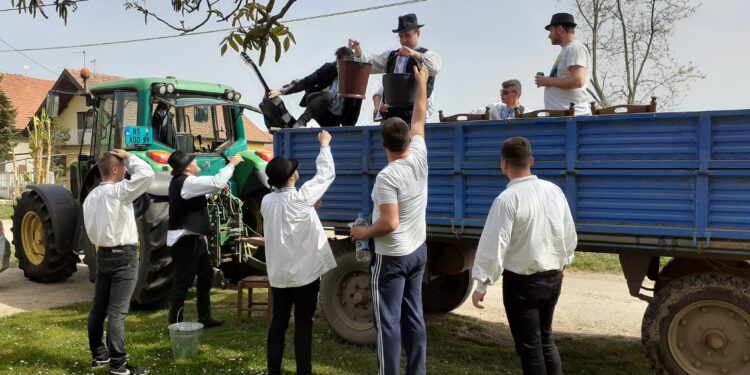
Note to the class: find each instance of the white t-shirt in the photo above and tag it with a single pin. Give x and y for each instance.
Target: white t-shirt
(404, 182)
(574, 54)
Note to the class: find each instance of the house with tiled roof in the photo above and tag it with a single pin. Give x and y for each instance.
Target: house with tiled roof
(25, 94)
(29, 96)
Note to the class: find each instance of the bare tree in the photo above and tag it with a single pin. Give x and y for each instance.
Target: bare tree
(630, 52)
(255, 26)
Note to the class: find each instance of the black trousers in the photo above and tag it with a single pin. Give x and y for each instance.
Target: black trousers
(317, 108)
(116, 275)
(530, 305)
(305, 301)
(191, 259)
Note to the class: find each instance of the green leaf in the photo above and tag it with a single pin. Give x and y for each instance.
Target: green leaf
(233, 44)
(224, 49)
(291, 36)
(286, 44)
(276, 44)
(238, 39)
(262, 56)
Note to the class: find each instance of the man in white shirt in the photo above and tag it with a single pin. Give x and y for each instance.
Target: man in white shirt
(510, 94)
(529, 237)
(110, 224)
(568, 79)
(403, 60)
(399, 198)
(297, 252)
(188, 227)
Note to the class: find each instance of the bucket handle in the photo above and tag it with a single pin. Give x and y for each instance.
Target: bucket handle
(178, 314)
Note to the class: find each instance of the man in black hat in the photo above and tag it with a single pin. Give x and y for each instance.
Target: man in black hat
(322, 99)
(297, 252)
(568, 79)
(403, 60)
(188, 228)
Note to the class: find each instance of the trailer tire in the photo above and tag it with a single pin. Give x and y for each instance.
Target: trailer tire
(696, 324)
(346, 302)
(446, 293)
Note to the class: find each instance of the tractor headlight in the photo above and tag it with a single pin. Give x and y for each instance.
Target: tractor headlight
(237, 96)
(229, 94)
(170, 88)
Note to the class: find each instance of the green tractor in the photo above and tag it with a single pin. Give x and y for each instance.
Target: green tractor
(150, 117)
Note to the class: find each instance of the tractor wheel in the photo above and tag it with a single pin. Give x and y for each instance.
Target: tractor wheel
(697, 325)
(155, 270)
(345, 297)
(43, 222)
(444, 293)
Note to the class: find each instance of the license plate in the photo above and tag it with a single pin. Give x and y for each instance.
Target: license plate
(138, 135)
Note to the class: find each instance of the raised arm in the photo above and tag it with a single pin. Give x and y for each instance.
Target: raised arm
(311, 191)
(419, 112)
(201, 185)
(140, 178)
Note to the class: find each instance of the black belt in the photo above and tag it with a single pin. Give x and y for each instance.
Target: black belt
(121, 247)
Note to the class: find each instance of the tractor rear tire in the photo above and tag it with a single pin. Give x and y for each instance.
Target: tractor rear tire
(44, 221)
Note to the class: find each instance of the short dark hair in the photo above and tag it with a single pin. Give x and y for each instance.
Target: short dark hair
(106, 161)
(395, 134)
(517, 152)
(513, 84)
(344, 53)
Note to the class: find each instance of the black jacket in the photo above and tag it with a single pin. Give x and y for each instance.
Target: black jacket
(319, 80)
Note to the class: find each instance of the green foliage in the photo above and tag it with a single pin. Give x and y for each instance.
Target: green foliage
(255, 25)
(7, 124)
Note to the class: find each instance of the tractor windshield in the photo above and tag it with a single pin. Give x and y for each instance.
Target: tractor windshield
(195, 124)
(114, 112)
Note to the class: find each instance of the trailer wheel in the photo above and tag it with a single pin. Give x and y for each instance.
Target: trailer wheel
(346, 300)
(444, 293)
(698, 324)
(42, 233)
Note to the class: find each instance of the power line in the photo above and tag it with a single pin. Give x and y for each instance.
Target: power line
(44, 5)
(213, 31)
(24, 55)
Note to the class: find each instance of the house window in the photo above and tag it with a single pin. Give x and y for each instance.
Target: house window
(200, 114)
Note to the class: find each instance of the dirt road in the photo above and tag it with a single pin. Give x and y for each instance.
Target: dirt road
(590, 303)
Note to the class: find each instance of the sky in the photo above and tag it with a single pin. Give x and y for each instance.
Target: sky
(481, 42)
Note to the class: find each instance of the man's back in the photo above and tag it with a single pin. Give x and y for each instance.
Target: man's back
(404, 181)
(542, 234)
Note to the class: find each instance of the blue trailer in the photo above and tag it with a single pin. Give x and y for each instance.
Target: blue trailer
(643, 186)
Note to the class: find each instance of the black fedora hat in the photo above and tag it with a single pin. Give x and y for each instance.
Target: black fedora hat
(279, 169)
(564, 19)
(407, 22)
(178, 161)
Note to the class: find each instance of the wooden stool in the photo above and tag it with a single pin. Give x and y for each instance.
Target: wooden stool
(253, 282)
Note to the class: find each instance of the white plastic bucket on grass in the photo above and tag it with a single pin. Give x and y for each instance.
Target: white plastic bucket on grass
(185, 337)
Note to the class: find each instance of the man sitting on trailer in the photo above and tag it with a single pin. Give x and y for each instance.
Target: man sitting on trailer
(510, 93)
(322, 99)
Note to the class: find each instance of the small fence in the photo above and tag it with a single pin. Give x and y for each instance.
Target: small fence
(7, 183)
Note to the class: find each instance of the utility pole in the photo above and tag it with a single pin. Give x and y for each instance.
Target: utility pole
(84, 57)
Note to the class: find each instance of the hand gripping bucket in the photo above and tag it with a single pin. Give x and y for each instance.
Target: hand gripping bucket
(185, 337)
(400, 89)
(353, 76)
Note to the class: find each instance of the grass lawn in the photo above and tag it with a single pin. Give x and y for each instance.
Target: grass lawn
(6, 210)
(54, 342)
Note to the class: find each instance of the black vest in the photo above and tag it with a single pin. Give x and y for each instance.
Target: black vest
(411, 63)
(190, 214)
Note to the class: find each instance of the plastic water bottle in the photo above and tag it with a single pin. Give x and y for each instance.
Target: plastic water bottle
(362, 246)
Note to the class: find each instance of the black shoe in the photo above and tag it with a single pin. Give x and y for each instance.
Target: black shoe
(97, 363)
(127, 369)
(210, 322)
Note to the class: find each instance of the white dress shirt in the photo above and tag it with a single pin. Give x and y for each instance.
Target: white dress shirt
(195, 186)
(297, 249)
(431, 60)
(529, 229)
(108, 209)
